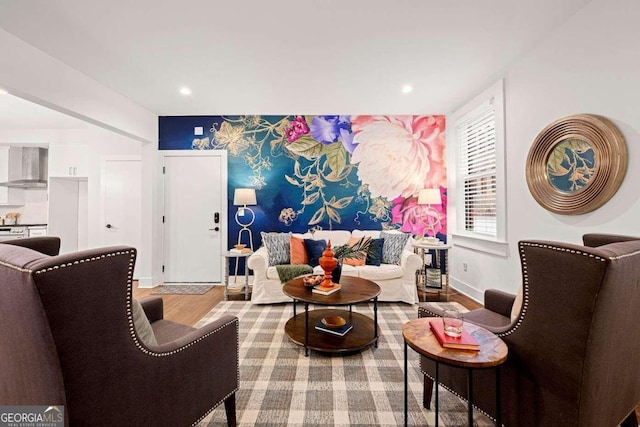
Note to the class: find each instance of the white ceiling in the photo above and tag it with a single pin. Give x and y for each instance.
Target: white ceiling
(288, 56)
(17, 113)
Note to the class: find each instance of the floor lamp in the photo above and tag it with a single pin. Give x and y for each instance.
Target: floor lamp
(429, 216)
(243, 197)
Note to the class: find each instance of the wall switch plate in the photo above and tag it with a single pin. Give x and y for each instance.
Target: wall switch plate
(198, 130)
(465, 266)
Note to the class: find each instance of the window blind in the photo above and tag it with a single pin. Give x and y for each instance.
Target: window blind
(476, 134)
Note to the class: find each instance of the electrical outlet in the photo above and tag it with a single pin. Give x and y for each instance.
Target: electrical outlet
(465, 266)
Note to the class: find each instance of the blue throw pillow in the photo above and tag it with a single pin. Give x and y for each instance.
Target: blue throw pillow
(314, 250)
(375, 255)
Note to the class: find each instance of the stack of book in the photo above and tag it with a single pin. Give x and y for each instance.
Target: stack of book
(326, 290)
(240, 251)
(341, 331)
(463, 342)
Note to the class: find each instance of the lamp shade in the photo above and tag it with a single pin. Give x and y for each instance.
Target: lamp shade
(429, 196)
(244, 196)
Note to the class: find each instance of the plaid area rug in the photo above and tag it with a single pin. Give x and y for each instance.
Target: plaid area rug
(279, 386)
(182, 289)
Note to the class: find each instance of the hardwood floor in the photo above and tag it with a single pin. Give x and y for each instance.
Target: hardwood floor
(189, 309)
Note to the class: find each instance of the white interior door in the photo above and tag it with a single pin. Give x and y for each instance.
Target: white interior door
(194, 196)
(122, 203)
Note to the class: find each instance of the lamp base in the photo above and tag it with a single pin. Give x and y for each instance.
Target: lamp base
(243, 229)
(245, 225)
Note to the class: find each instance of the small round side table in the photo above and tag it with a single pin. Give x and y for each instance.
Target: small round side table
(493, 352)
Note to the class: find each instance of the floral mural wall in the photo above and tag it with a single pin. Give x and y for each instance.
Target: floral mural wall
(329, 172)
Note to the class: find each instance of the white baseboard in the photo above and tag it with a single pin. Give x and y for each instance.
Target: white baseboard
(466, 289)
(145, 282)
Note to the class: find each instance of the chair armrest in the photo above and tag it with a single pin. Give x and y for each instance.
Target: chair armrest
(499, 302)
(153, 307)
(206, 362)
(48, 245)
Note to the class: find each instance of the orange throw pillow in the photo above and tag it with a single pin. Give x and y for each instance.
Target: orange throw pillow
(298, 253)
(354, 261)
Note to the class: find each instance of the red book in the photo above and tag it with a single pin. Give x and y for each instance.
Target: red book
(463, 342)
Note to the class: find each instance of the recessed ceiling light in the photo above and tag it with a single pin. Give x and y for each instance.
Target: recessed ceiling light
(185, 91)
(407, 88)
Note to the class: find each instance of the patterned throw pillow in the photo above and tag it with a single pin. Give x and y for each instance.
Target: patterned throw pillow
(355, 261)
(278, 247)
(393, 246)
(375, 255)
(314, 250)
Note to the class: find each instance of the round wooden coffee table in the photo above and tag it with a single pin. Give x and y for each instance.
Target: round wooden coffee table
(493, 352)
(301, 327)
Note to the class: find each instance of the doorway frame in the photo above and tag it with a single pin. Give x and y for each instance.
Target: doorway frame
(224, 177)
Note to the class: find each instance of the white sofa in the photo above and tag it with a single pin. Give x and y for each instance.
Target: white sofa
(397, 282)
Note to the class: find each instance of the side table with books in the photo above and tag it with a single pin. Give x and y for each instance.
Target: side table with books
(491, 352)
(236, 254)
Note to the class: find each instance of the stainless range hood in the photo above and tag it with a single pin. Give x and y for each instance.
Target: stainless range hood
(28, 167)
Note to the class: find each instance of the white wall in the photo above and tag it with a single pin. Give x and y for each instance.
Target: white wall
(121, 127)
(591, 64)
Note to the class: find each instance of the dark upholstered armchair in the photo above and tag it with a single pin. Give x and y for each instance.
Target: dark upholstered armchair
(67, 337)
(574, 347)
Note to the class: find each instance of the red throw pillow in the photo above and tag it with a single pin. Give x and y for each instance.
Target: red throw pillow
(298, 252)
(354, 261)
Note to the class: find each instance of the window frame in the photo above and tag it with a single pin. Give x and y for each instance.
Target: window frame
(461, 236)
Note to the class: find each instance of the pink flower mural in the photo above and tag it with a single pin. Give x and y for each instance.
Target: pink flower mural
(417, 219)
(399, 155)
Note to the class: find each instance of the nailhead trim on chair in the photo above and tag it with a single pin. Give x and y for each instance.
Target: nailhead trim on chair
(130, 315)
(525, 298)
(15, 267)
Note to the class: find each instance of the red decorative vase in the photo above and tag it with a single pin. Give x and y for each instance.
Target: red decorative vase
(328, 262)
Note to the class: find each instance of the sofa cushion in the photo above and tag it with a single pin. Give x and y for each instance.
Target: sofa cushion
(355, 261)
(375, 255)
(347, 270)
(141, 324)
(517, 305)
(278, 247)
(394, 244)
(298, 252)
(337, 237)
(381, 272)
(314, 250)
(374, 234)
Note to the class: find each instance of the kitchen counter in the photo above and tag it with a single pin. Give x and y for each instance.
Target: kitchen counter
(23, 225)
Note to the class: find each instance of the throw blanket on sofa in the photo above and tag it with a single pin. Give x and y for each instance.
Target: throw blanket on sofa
(287, 272)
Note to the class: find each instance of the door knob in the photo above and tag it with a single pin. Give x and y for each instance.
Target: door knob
(215, 229)
(109, 226)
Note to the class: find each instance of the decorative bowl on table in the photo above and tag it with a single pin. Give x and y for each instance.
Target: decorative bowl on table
(311, 281)
(333, 322)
